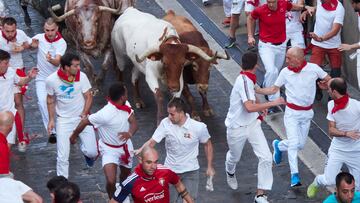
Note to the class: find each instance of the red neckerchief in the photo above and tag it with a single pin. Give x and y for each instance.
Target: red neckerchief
(5, 155)
(255, 3)
(141, 173)
(7, 39)
(65, 78)
(120, 107)
(3, 75)
(340, 103)
(297, 69)
(331, 5)
(57, 38)
(251, 76)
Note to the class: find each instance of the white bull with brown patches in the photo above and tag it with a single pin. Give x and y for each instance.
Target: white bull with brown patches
(154, 47)
(89, 24)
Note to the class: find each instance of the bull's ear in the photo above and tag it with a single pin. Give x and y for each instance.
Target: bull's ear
(191, 56)
(155, 56)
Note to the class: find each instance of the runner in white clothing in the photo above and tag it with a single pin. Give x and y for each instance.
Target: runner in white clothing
(116, 124)
(15, 42)
(51, 46)
(182, 136)
(299, 78)
(344, 126)
(243, 122)
(69, 93)
(294, 28)
(8, 79)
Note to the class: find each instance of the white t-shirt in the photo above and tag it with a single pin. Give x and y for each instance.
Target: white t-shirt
(347, 119)
(324, 22)
(293, 23)
(243, 90)
(6, 90)
(45, 67)
(300, 87)
(182, 143)
(16, 60)
(110, 121)
(12, 190)
(70, 100)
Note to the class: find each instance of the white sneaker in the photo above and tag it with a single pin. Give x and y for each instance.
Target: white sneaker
(261, 199)
(22, 146)
(231, 181)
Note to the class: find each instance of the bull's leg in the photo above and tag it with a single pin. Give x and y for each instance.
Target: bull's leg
(205, 105)
(136, 90)
(89, 70)
(159, 98)
(27, 19)
(108, 61)
(190, 99)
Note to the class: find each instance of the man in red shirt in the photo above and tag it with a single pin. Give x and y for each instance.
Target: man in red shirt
(150, 181)
(272, 36)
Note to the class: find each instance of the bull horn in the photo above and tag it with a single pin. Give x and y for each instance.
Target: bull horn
(110, 10)
(222, 56)
(200, 52)
(146, 54)
(61, 18)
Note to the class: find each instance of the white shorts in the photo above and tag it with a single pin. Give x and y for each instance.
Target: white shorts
(296, 39)
(112, 155)
(237, 6)
(249, 7)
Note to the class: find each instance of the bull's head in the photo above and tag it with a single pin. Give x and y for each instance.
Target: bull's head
(87, 20)
(173, 57)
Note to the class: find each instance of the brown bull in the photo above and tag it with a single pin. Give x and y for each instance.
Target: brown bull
(89, 24)
(197, 71)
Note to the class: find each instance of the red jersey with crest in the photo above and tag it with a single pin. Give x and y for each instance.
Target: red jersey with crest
(145, 188)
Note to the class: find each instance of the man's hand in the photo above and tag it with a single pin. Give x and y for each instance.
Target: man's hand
(17, 48)
(315, 37)
(48, 57)
(323, 84)
(51, 126)
(353, 135)
(73, 139)
(310, 10)
(124, 136)
(251, 41)
(33, 72)
(34, 43)
(345, 47)
(279, 101)
(303, 17)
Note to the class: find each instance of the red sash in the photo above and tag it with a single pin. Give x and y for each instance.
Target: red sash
(340, 103)
(298, 108)
(251, 76)
(297, 69)
(57, 38)
(125, 157)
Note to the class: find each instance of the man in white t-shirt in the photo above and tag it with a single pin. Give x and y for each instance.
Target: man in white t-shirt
(299, 79)
(356, 46)
(326, 37)
(244, 123)
(182, 136)
(115, 124)
(294, 28)
(15, 41)
(344, 126)
(51, 46)
(69, 96)
(8, 79)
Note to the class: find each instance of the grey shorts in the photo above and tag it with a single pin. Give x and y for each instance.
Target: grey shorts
(191, 181)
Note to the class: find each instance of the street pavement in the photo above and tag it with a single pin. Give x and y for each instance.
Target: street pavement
(37, 165)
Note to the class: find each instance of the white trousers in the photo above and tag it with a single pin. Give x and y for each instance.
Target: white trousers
(41, 97)
(297, 124)
(296, 39)
(88, 145)
(227, 7)
(236, 138)
(273, 58)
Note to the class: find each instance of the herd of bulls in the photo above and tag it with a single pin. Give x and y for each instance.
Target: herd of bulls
(170, 51)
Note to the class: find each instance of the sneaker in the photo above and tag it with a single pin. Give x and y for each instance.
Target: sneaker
(261, 199)
(312, 190)
(231, 42)
(52, 138)
(22, 146)
(277, 155)
(226, 21)
(295, 180)
(89, 161)
(231, 181)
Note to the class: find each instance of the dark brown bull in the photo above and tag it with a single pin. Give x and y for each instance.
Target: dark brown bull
(89, 24)
(197, 71)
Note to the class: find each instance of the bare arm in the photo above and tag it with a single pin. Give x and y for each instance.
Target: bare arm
(83, 123)
(334, 132)
(209, 152)
(334, 30)
(180, 188)
(347, 47)
(267, 90)
(54, 61)
(251, 30)
(88, 102)
(31, 197)
(50, 101)
(251, 106)
(151, 142)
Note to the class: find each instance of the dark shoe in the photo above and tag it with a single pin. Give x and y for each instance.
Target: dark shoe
(89, 161)
(231, 42)
(206, 3)
(52, 138)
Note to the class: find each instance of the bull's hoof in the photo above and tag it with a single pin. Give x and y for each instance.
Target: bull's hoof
(208, 112)
(195, 116)
(27, 19)
(140, 104)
